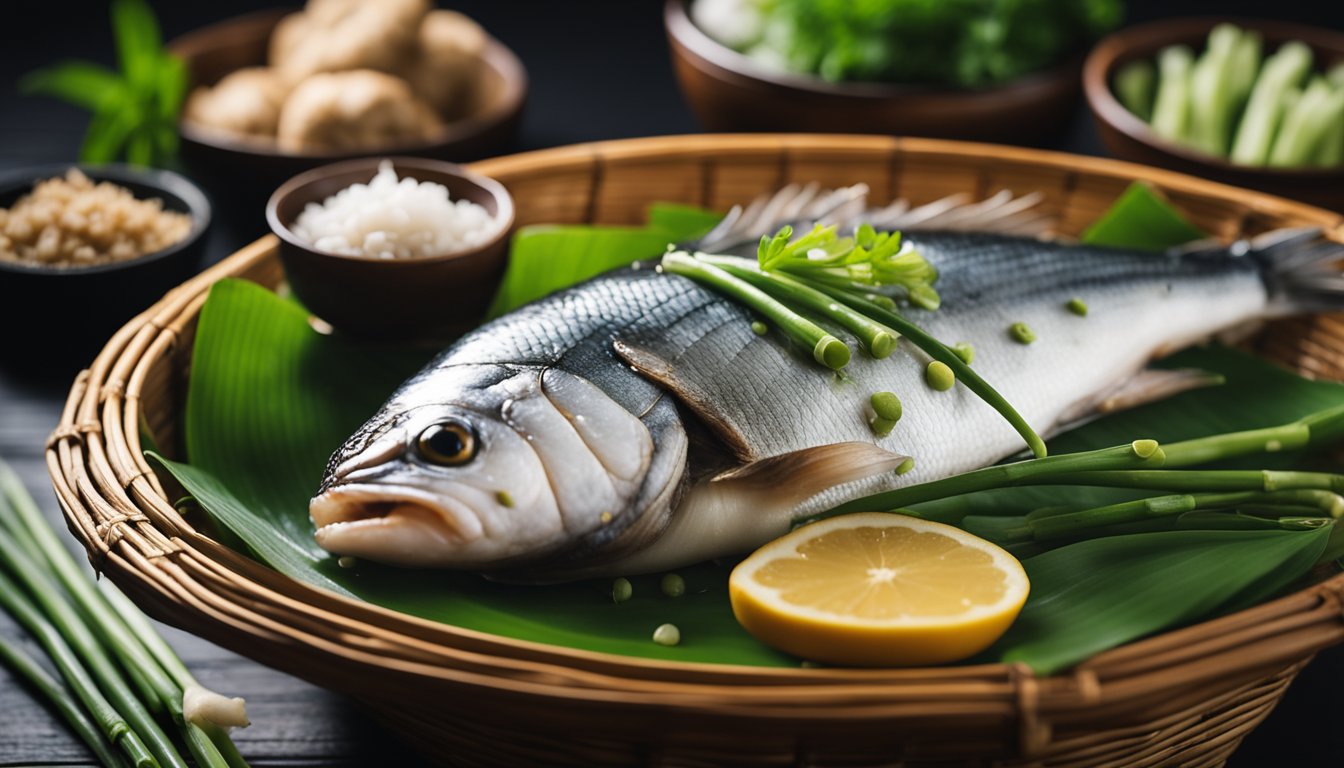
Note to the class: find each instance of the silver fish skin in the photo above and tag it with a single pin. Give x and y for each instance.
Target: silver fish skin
(601, 417)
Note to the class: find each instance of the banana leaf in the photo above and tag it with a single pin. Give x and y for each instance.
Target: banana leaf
(543, 259)
(1097, 594)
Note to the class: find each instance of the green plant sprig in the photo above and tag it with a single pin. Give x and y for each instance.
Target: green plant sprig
(868, 261)
(135, 110)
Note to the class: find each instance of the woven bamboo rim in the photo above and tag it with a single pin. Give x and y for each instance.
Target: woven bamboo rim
(1185, 697)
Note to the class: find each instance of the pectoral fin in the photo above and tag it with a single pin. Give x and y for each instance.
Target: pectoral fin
(805, 473)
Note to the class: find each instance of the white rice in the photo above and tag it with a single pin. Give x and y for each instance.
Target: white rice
(393, 219)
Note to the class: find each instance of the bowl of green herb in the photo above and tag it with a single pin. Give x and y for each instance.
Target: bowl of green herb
(953, 70)
(1257, 104)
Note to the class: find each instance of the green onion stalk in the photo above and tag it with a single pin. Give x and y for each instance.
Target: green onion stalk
(1048, 525)
(98, 623)
(826, 348)
(1192, 498)
(1136, 455)
(842, 280)
(60, 698)
(103, 713)
(877, 339)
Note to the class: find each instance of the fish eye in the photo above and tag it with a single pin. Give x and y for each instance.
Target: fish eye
(447, 444)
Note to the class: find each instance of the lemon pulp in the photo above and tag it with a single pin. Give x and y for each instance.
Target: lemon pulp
(878, 589)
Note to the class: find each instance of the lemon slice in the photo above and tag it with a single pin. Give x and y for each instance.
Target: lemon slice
(878, 589)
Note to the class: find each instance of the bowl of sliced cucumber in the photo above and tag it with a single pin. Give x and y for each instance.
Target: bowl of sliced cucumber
(1253, 103)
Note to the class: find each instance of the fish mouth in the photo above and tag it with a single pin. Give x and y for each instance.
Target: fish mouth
(403, 525)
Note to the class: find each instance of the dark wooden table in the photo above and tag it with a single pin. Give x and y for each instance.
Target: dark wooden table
(598, 70)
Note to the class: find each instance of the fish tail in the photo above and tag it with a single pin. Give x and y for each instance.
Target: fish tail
(1302, 269)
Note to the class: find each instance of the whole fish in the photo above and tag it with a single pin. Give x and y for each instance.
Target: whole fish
(636, 423)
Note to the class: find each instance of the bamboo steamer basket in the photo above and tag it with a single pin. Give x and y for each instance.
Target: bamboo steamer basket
(1186, 697)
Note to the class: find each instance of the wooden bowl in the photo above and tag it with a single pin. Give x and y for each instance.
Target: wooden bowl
(1129, 138)
(407, 298)
(66, 313)
(238, 167)
(1185, 697)
(729, 92)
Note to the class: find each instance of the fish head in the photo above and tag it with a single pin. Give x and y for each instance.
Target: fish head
(485, 469)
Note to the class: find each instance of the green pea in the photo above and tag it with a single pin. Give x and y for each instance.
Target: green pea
(939, 377)
(881, 427)
(1077, 306)
(673, 585)
(886, 405)
(667, 634)
(759, 328)
(965, 351)
(906, 465)
(1022, 333)
(621, 590)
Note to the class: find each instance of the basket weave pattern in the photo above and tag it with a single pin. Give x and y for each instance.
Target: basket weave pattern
(1185, 697)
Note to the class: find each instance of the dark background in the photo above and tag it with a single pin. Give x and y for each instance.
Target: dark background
(598, 70)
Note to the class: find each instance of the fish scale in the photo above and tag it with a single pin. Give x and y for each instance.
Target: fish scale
(764, 398)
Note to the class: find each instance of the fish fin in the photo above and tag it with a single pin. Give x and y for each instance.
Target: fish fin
(1301, 269)
(1003, 212)
(1147, 386)
(657, 368)
(813, 470)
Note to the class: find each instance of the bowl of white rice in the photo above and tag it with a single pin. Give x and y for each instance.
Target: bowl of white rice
(396, 247)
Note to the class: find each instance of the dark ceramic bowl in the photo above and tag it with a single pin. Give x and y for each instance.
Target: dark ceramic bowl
(1129, 138)
(403, 298)
(243, 170)
(62, 313)
(730, 92)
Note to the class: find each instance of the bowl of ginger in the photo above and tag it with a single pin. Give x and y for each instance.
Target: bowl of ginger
(84, 248)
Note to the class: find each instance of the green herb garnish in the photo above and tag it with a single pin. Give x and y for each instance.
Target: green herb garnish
(672, 585)
(667, 634)
(1021, 333)
(886, 405)
(135, 110)
(939, 376)
(966, 44)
